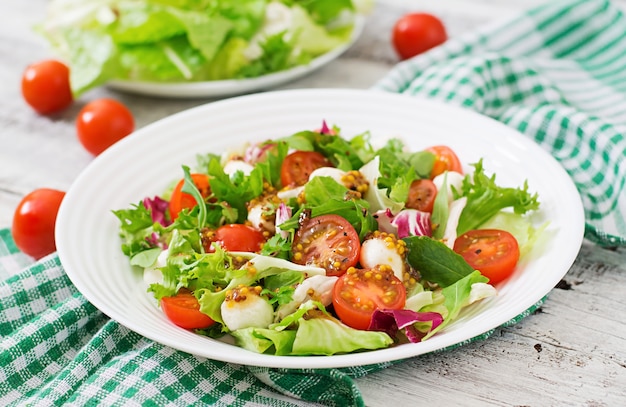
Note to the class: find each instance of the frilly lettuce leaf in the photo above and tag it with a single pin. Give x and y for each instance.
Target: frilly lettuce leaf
(485, 199)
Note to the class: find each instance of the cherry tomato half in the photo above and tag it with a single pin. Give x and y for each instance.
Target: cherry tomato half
(359, 292)
(415, 33)
(422, 194)
(327, 241)
(183, 309)
(236, 238)
(445, 160)
(34, 220)
(298, 165)
(102, 123)
(46, 86)
(182, 200)
(491, 251)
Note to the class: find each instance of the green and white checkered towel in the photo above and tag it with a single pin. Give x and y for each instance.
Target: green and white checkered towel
(554, 73)
(558, 75)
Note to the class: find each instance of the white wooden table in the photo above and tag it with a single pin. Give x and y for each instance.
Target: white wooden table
(572, 352)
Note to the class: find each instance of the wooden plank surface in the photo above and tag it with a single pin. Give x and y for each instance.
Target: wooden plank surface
(571, 352)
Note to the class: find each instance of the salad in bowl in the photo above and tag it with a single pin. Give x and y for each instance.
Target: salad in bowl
(167, 42)
(316, 244)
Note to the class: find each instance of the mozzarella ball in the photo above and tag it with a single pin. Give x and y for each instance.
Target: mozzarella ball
(244, 308)
(318, 288)
(258, 219)
(232, 166)
(453, 179)
(332, 172)
(375, 251)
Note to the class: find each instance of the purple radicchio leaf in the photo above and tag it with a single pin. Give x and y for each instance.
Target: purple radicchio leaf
(325, 129)
(283, 214)
(391, 321)
(256, 152)
(384, 217)
(411, 222)
(157, 207)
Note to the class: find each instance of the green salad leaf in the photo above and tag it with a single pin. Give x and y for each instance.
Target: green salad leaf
(316, 333)
(191, 40)
(485, 199)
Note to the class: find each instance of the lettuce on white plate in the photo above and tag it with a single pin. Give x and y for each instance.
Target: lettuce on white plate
(192, 40)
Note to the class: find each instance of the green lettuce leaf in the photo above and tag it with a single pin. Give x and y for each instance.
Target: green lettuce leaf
(136, 226)
(456, 297)
(183, 40)
(141, 23)
(324, 12)
(316, 333)
(485, 199)
(236, 189)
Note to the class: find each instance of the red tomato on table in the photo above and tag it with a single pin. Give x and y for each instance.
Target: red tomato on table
(34, 221)
(183, 309)
(297, 167)
(491, 251)
(327, 241)
(359, 292)
(46, 86)
(102, 123)
(415, 33)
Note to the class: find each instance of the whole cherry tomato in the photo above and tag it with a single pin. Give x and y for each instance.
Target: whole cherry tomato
(34, 220)
(415, 33)
(46, 86)
(102, 123)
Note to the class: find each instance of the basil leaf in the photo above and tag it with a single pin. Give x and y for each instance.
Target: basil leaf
(435, 261)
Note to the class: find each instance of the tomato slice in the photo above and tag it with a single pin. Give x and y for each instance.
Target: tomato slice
(181, 200)
(422, 194)
(298, 165)
(359, 292)
(327, 241)
(235, 238)
(183, 309)
(445, 160)
(491, 251)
